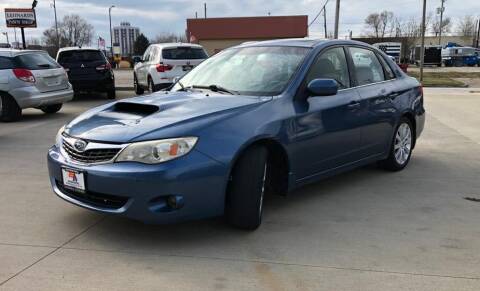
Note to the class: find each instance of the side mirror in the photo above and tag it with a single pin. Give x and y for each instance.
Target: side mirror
(322, 87)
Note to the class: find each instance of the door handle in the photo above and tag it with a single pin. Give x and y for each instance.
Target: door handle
(354, 105)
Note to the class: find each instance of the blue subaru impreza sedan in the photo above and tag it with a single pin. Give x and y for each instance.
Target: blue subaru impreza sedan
(259, 118)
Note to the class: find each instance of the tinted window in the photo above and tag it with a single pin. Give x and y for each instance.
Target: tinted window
(35, 61)
(261, 71)
(5, 63)
(367, 66)
(388, 70)
(183, 53)
(331, 64)
(81, 56)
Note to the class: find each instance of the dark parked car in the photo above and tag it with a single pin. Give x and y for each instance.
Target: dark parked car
(88, 70)
(264, 117)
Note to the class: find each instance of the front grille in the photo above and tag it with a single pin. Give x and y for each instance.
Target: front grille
(95, 199)
(90, 156)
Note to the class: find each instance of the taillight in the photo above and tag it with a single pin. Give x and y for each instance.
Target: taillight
(163, 68)
(24, 75)
(104, 67)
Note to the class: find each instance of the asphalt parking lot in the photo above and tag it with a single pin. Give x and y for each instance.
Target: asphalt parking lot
(363, 230)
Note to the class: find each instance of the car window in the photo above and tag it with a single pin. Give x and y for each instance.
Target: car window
(183, 53)
(80, 56)
(6, 63)
(146, 55)
(35, 61)
(331, 64)
(153, 54)
(368, 69)
(259, 71)
(389, 74)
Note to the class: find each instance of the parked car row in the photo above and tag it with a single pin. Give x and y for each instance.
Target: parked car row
(32, 79)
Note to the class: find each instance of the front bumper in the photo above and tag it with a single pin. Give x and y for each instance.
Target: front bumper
(197, 179)
(30, 97)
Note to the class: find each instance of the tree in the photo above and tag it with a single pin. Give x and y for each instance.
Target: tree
(169, 37)
(445, 27)
(141, 44)
(73, 30)
(380, 24)
(466, 26)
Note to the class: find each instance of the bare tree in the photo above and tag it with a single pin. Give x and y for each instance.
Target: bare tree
(466, 26)
(380, 24)
(169, 37)
(444, 27)
(73, 30)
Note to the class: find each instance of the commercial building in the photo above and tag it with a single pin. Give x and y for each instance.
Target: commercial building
(124, 36)
(216, 34)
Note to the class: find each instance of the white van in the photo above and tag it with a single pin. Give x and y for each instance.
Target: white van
(162, 63)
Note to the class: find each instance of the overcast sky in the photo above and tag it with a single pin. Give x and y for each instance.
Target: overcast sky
(168, 16)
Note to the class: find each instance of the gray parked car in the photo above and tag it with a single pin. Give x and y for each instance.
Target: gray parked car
(31, 79)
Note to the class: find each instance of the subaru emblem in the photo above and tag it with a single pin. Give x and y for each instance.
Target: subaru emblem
(80, 145)
(82, 66)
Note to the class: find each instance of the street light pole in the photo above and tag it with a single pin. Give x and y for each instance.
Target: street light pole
(110, 18)
(337, 19)
(56, 24)
(422, 48)
(442, 9)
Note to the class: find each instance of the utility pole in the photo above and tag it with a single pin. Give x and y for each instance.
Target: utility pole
(422, 48)
(110, 18)
(56, 24)
(442, 9)
(325, 19)
(337, 19)
(478, 33)
(6, 34)
(205, 9)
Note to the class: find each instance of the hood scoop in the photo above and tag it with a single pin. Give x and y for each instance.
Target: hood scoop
(129, 110)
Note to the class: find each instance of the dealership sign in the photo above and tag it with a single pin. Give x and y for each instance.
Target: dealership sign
(20, 17)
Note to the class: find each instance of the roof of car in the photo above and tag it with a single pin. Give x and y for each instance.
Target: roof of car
(9, 52)
(175, 44)
(300, 42)
(76, 48)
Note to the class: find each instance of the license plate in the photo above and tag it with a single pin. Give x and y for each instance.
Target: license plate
(187, 68)
(52, 81)
(73, 179)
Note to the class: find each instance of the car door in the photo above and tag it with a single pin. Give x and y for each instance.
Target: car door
(327, 133)
(142, 68)
(376, 93)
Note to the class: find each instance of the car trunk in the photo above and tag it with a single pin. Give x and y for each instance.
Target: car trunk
(50, 80)
(82, 64)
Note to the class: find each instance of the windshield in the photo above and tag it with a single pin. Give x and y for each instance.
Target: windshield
(260, 71)
(80, 56)
(183, 53)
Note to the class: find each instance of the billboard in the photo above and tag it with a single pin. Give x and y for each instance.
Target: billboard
(20, 17)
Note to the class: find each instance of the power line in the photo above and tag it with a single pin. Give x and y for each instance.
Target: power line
(320, 12)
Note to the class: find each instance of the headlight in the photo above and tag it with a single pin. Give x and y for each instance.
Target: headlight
(158, 151)
(58, 138)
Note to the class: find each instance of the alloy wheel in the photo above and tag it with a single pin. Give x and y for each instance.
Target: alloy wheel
(403, 143)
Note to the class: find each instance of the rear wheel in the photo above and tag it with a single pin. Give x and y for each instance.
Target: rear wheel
(138, 89)
(50, 109)
(402, 146)
(244, 203)
(111, 94)
(9, 109)
(151, 85)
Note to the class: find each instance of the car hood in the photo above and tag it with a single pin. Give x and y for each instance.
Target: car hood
(144, 118)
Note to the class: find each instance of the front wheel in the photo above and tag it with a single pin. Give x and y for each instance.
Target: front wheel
(138, 89)
(244, 203)
(401, 148)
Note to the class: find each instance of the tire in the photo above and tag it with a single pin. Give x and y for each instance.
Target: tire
(398, 157)
(51, 109)
(9, 109)
(111, 94)
(244, 201)
(151, 85)
(138, 90)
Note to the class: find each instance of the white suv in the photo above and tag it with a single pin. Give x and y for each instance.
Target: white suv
(162, 63)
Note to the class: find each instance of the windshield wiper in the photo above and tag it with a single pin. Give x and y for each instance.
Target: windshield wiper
(216, 88)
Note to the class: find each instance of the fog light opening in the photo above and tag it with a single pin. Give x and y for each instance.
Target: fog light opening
(175, 202)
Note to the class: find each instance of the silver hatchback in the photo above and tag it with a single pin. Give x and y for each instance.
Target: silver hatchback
(31, 79)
